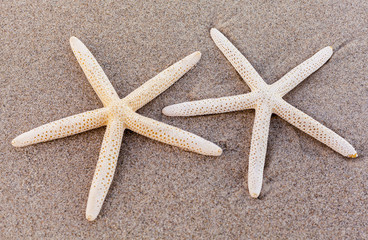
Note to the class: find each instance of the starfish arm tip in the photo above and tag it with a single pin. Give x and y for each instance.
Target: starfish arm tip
(254, 195)
(90, 217)
(198, 54)
(168, 111)
(93, 208)
(354, 155)
(254, 189)
(213, 32)
(15, 143)
(210, 149)
(217, 152)
(329, 50)
(73, 40)
(194, 58)
(349, 150)
(254, 185)
(75, 43)
(19, 141)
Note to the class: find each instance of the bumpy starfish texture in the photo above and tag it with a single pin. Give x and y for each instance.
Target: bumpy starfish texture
(119, 114)
(266, 100)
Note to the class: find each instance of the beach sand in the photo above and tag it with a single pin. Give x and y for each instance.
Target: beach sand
(163, 192)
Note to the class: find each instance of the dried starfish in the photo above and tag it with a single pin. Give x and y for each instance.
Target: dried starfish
(266, 100)
(119, 114)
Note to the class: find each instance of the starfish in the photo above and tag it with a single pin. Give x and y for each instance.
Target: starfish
(266, 100)
(119, 114)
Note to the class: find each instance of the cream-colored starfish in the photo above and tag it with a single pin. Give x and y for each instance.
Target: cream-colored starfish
(119, 114)
(266, 100)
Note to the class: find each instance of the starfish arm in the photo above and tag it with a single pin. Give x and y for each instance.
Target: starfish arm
(212, 106)
(158, 84)
(93, 71)
(105, 167)
(302, 71)
(64, 127)
(239, 62)
(171, 135)
(315, 129)
(258, 149)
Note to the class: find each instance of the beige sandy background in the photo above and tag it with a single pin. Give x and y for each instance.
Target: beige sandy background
(159, 191)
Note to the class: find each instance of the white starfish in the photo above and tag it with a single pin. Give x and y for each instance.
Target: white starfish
(119, 114)
(266, 100)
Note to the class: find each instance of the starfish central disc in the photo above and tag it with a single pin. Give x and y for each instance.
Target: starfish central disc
(119, 109)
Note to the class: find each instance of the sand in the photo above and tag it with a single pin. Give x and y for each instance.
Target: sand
(159, 191)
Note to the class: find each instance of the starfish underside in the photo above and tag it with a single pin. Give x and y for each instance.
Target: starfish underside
(266, 100)
(119, 114)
